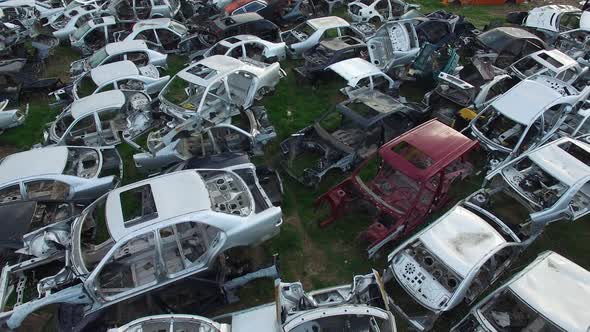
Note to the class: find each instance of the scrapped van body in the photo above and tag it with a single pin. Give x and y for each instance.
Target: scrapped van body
(360, 306)
(345, 136)
(12, 117)
(406, 180)
(361, 75)
(552, 63)
(378, 10)
(451, 261)
(249, 131)
(102, 119)
(394, 44)
(245, 46)
(216, 88)
(507, 128)
(550, 294)
(141, 237)
(67, 173)
(136, 51)
(551, 182)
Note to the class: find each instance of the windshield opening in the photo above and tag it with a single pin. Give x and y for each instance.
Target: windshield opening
(219, 49)
(98, 57)
(85, 87)
(508, 312)
(184, 93)
(62, 124)
(499, 129)
(80, 32)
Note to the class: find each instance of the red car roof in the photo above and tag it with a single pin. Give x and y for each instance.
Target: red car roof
(438, 141)
(235, 5)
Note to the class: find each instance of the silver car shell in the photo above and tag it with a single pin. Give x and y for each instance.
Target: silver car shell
(72, 18)
(394, 44)
(553, 287)
(120, 50)
(319, 26)
(107, 76)
(271, 51)
(572, 174)
(21, 168)
(448, 242)
(155, 24)
(355, 70)
(212, 72)
(524, 104)
(552, 63)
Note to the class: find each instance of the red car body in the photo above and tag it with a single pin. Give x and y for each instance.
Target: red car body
(413, 180)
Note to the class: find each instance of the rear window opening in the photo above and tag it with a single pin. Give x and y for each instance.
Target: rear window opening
(138, 205)
(414, 155)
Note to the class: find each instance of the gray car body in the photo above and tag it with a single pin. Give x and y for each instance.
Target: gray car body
(249, 227)
(119, 51)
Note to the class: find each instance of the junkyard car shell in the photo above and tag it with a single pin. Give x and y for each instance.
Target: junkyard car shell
(49, 164)
(90, 109)
(509, 44)
(298, 42)
(551, 63)
(105, 26)
(549, 18)
(445, 242)
(111, 75)
(120, 51)
(552, 288)
(237, 47)
(70, 20)
(571, 173)
(378, 10)
(359, 73)
(153, 31)
(154, 9)
(219, 68)
(394, 44)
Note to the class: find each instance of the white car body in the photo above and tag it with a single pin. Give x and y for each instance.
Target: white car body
(198, 213)
(552, 63)
(164, 33)
(11, 117)
(552, 293)
(49, 174)
(219, 86)
(68, 21)
(120, 75)
(105, 27)
(531, 113)
(311, 32)
(439, 266)
(394, 44)
(360, 74)
(551, 182)
(136, 51)
(100, 119)
(378, 10)
(248, 46)
(550, 18)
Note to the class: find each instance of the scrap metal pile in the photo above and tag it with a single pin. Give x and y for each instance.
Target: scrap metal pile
(73, 235)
